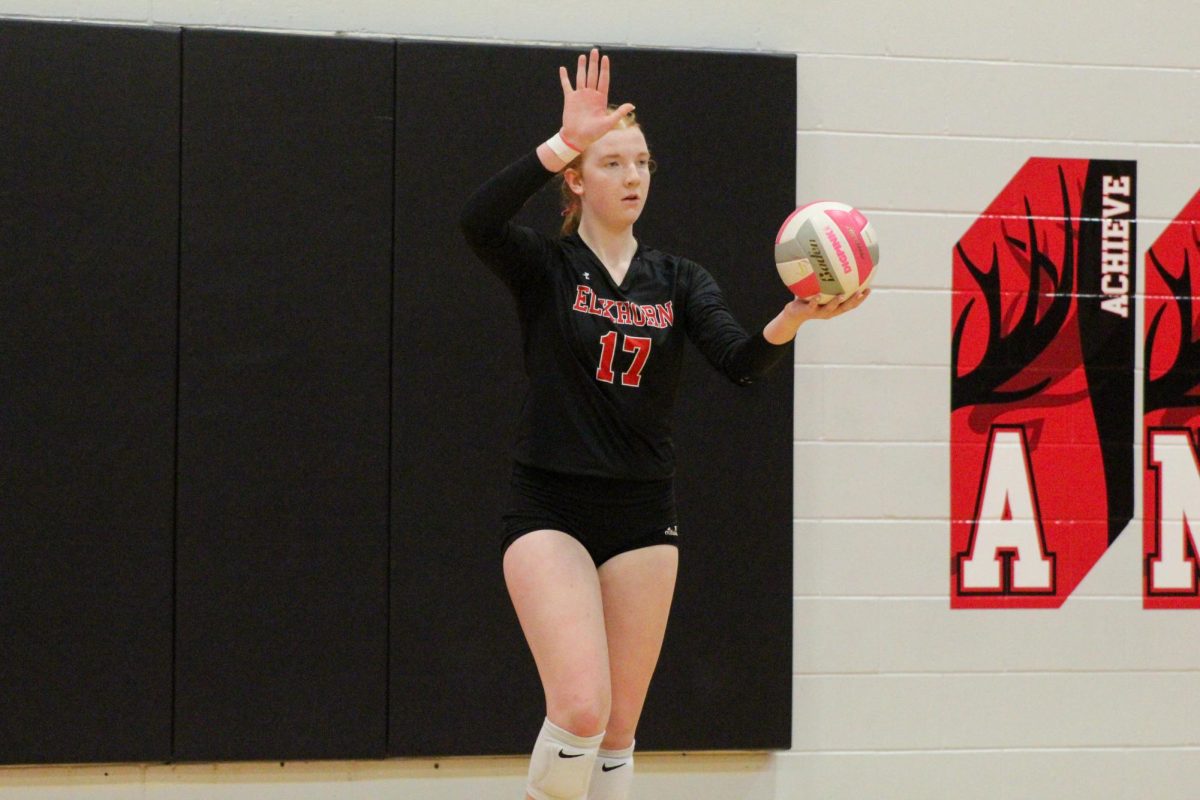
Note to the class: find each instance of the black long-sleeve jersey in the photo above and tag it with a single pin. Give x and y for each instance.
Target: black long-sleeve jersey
(603, 360)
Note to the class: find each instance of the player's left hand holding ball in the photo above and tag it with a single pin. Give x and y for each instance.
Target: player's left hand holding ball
(782, 329)
(810, 308)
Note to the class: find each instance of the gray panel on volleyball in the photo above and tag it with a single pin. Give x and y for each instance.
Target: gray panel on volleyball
(722, 128)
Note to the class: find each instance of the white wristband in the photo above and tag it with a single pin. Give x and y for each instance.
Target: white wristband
(561, 149)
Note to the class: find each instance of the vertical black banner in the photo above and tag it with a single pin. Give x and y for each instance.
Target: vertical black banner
(283, 410)
(1107, 322)
(89, 165)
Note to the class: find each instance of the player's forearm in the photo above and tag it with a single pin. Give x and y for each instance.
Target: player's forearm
(500, 198)
(782, 329)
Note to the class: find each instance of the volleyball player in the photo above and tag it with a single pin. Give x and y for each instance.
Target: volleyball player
(590, 554)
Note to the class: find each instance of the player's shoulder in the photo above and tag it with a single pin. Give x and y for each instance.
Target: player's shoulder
(689, 275)
(672, 262)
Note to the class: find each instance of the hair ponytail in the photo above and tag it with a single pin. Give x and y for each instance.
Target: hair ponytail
(572, 207)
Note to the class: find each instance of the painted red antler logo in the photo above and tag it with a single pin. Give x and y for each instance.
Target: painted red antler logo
(1042, 384)
(1171, 468)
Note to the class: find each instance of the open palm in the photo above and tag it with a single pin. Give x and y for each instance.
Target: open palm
(585, 106)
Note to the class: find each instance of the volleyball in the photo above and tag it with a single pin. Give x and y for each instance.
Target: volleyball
(826, 249)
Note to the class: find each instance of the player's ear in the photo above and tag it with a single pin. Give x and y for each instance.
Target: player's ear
(574, 180)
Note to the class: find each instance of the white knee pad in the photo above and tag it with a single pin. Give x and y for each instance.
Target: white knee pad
(612, 775)
(561, 765)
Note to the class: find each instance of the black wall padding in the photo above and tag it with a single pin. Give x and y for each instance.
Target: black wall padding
(88, 242)
(284, 406)
(257, 397)
(722, 127)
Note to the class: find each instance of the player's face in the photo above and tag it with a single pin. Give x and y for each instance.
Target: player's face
(616, 177)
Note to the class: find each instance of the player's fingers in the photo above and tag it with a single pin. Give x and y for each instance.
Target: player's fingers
(832, 308)
(565, 80)
(581, 73)
(855, 300)
(626, 108)
(594, 69)
(604, 77)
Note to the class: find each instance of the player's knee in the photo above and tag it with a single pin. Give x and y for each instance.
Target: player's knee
(561, 765)
(583, 712)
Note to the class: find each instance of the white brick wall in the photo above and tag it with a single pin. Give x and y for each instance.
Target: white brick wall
(919, 113)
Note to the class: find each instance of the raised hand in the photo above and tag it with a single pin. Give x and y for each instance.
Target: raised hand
(585, 107)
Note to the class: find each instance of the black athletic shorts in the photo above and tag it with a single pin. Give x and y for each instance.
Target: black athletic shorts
(608, 516)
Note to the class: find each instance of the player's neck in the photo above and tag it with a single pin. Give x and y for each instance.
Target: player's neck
(614, 248)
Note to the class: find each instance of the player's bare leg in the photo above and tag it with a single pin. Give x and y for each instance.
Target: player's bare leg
(555, 590)
(637, 588)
